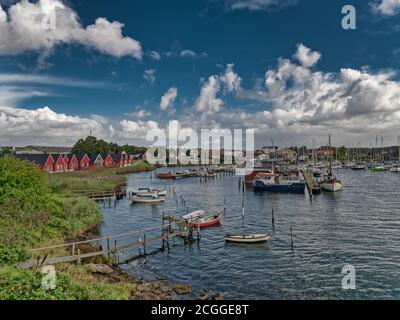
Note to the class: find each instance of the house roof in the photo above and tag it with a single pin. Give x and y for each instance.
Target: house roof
(116, 156)
(80, 156)
(94, 156)
(39, 159)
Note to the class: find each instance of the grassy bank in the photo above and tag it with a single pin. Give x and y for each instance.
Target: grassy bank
(33, 215)
(96, 179)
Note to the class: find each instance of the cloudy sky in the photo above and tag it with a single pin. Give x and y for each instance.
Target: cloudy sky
(117, 69)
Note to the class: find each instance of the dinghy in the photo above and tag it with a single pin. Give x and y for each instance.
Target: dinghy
(148, 198)
(247, 238)
(193, 215)
(203, 222)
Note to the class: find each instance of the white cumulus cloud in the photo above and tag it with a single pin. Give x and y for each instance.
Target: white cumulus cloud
(386, 7)
(168, 99)
(42, 25)
(307, 57)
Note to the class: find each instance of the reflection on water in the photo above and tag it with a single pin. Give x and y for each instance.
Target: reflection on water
(359, 226)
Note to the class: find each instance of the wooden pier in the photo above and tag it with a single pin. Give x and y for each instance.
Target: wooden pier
(71, 251)
(308, 177)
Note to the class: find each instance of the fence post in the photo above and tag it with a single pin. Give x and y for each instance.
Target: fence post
(108, 247)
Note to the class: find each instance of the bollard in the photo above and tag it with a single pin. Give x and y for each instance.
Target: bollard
(291, 236)
(273, 217)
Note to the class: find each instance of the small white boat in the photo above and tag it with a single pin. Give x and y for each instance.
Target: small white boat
(395, 169)
(247, 238)
(193, 215)
(147, 198)
(147, 191)
(332, 184)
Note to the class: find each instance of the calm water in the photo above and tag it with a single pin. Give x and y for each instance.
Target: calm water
(359, 226)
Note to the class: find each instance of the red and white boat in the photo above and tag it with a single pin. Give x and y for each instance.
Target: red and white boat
(207, 221)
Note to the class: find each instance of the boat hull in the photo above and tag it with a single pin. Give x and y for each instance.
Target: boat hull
(150, 201)
(331, 186)
(247, 238)
(208, 221)
(295, 187)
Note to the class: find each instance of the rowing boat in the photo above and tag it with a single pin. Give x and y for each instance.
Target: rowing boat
(247, 238)
(204, 222)
(147, 198)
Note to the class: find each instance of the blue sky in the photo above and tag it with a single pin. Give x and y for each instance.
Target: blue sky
(113, 85)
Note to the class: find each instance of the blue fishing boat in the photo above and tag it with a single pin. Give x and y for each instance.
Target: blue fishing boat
(275, 183)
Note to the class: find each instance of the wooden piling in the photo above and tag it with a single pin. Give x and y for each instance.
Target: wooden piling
(291, 236)
(273, 217)
(79, 256)
(144, 244)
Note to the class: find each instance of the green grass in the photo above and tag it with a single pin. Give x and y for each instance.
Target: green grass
(95, 179)
(140, 167)
(35, 212)
(72, 283)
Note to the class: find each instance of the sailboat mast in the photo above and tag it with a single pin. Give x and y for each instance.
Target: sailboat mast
(398, 142)
(330, 157)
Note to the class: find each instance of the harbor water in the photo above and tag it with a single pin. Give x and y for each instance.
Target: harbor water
(359, 226)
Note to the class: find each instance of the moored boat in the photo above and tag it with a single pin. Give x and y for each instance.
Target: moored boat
(147, 191)
(358, 167)
(166, 175)
(378, 168)
(247, 238)
(275, 183)
(205, 221)
(331, 182)
(395, 169)
(148, 198)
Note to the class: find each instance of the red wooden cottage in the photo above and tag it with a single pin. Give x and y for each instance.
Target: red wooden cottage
(108, 160)
(96, 160)
(73, 163)
(83, 161)
(59, 164)
(44, 161)
(119, 159)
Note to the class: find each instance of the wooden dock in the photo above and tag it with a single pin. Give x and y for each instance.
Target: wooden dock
(175, 228)
(308, 177)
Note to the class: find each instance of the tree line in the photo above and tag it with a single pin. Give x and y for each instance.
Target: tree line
(94, 145)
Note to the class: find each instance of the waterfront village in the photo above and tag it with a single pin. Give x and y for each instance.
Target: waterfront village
(51, 200)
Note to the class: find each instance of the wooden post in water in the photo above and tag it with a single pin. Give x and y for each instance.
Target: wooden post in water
(243, 208)
(273, 218)
(291, 236)
(144, 244)
(224, 205)
(162, 231)
(108, 247)
(115, 251)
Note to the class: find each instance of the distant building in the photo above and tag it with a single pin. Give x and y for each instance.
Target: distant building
(43, 150)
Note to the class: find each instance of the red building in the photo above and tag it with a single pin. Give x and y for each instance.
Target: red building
(83, 161)
(59, 164)
(73, 163)
(108, 160)
(96, 160)
(44, 161)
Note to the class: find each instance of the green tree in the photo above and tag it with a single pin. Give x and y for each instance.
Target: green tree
(22, 184)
